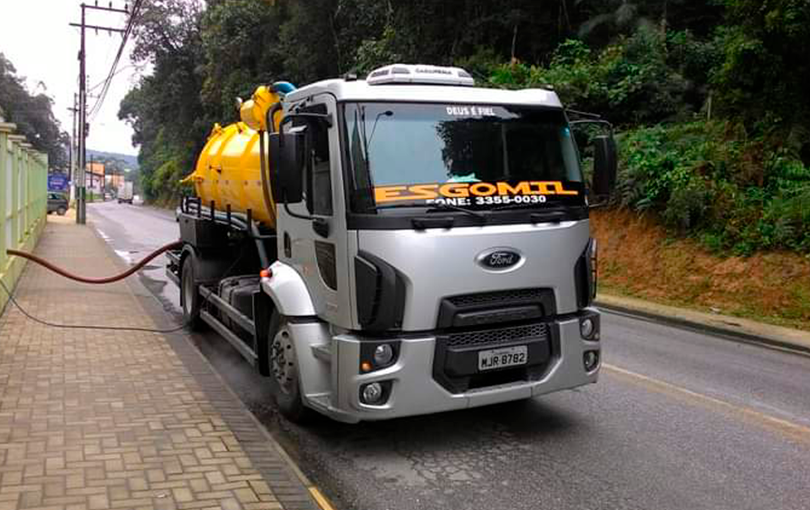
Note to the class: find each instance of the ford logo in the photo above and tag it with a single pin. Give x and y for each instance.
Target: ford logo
(499, 259)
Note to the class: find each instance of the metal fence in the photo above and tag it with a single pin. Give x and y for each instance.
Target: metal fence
(23, 201)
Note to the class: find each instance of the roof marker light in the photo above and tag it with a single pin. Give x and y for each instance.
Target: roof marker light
(420, 74)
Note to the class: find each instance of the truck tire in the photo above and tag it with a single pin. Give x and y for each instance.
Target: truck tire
(284, 378)
(61, 211)
(191, 298)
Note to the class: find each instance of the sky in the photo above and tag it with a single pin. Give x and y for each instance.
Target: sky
(36, 38)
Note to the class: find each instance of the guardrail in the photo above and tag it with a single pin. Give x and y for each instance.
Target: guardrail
(23, 201)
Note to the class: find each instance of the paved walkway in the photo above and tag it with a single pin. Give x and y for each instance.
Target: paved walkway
(94, 419)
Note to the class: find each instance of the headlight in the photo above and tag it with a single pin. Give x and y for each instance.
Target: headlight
(586, 328)
(383, 354)
(377, 355)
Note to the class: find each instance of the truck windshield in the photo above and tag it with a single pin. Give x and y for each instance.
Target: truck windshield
(473, 156)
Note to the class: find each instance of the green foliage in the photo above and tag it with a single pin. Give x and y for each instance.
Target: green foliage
(33, 115)
(638, 80)
(690, 175)
(374, 53)
(765, 71)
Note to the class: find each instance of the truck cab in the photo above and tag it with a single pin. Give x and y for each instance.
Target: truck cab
(432, 249)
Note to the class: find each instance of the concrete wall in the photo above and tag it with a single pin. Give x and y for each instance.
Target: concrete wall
(23, 201)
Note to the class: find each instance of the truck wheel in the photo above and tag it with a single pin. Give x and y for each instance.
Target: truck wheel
(61, 211)
(191, 298)
(284, 382)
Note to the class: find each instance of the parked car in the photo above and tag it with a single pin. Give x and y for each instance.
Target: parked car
(58, 203)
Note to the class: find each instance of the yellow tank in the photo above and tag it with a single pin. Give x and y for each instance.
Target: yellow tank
(228, 170)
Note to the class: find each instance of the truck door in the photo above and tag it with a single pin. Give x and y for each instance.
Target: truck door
(316, 247)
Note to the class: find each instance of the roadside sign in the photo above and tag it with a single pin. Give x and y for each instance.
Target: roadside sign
(58, 182)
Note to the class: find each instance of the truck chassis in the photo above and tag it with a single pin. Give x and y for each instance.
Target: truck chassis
(203, 229)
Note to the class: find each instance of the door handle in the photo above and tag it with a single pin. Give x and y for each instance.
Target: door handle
(287, 246)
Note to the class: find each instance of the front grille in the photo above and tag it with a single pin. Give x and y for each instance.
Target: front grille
(497, 336)
(497, 297)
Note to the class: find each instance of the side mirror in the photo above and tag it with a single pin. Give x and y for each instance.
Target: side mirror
(286, 165)
(605, 165)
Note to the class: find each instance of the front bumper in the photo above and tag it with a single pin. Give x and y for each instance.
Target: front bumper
(414, 389)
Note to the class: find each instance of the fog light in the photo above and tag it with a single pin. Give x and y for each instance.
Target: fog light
(383, 354)
(586, 328)
(372, 393)
(590, 360)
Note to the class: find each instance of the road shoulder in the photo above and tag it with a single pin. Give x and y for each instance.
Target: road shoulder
(734, 328)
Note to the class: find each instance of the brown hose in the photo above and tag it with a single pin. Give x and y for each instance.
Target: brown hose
(109, 279)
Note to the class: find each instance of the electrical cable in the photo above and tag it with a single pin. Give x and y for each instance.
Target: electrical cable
(127, 31)
(84, 326)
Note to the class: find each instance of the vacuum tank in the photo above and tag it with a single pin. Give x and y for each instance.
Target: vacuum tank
(228, 171)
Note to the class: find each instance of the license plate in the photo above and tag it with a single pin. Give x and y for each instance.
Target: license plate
(503, 357)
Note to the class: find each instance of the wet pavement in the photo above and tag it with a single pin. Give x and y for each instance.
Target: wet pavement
(678, 420)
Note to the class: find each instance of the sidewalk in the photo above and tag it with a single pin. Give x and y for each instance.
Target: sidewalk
(95, 419)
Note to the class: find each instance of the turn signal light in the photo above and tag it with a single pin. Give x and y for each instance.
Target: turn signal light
(265, 273)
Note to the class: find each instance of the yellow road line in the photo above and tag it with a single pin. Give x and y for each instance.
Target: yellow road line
(321, 499)
(785, 427)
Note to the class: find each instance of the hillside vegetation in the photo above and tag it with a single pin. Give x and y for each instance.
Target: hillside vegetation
(708, 97)
(638, 258)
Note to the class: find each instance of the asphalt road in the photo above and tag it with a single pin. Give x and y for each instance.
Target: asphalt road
(679, 420)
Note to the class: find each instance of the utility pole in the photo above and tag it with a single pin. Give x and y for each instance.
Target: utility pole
(81, 205)
(73, 183)
(81, 195)
(92, 174)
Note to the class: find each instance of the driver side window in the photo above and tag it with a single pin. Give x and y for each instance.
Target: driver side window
(318, 174)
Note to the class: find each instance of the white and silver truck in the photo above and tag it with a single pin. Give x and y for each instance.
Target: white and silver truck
(125, 193)
(403, 244)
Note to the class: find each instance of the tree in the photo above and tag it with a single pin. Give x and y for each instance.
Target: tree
(165, 108)
(763, 79)
(33, 115)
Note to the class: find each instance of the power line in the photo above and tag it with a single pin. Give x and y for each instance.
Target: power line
(102, 82)
(127, 31)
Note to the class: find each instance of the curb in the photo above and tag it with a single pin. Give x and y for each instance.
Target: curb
(154, 309)
(696, 321)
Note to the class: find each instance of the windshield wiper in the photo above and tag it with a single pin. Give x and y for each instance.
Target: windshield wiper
(554, 215)
(527, 207)
(433, 208)
(442, 207)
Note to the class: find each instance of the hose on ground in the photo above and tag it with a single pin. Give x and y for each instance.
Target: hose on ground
(109, 279)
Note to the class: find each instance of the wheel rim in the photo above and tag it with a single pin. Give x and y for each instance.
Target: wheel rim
(282, 361)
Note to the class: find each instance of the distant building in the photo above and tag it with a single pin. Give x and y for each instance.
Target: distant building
(95, 176)
(115, 180)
